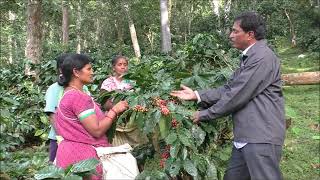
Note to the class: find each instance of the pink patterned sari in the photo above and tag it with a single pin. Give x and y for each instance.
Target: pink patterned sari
(78, 144)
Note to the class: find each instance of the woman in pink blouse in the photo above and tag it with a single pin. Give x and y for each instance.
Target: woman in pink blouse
(126, 132)
(79, 119)
(116, 82)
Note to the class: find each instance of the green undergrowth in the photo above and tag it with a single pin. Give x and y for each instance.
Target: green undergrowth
(300, 158)
(297, 61)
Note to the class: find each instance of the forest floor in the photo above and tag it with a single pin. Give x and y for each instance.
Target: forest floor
(300, 159)
(301, 152)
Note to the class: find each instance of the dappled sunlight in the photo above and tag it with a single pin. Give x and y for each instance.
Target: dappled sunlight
(300, 69)
(295, 61)
(283, 50)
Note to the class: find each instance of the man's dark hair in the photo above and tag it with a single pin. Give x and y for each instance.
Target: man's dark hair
(252, 21)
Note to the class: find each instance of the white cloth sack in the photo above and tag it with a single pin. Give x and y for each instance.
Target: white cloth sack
(118, 162)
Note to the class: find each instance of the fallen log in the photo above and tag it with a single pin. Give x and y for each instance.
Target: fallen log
(304, 78)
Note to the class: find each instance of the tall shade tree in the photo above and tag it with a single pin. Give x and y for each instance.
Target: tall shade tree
(132, 29)
(33, 50)
(11, 43)
(215, 5)
(78, 26)
(227, 8)
(100, 6)
(117, 20)
(65, 23)
(165, 29)
(291, 28)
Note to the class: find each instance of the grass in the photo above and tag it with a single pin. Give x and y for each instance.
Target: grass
(296, 61)
(301, 159)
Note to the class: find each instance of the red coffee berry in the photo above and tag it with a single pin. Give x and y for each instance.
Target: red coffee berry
(174, 123)
(162, 163)
(160, 102)
(140, 108)
(165, 111)
(165, 155)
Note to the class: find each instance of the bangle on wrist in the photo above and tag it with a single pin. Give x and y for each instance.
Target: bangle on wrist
(114, 111)
(110, 118)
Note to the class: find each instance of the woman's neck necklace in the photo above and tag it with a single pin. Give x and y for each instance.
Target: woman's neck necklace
(119, 78)
(75, 87)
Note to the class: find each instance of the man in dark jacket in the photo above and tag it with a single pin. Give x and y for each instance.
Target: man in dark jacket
(253, 97)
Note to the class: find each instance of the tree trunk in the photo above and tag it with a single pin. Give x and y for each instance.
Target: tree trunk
(301, 78)
(291, 28)
(97, 34)
(85, 44)
(12, 18)
(117, 18)
(33, 49)
(185, 27)
(10, 44)
(15, 49)
(170, 9)
(79, 27)
(65, 23)
(150, 36)
(98, 23)
(227, 8)
(132, 29)
(165, 29)
(190, 20)
(119, 31)
(215, 5)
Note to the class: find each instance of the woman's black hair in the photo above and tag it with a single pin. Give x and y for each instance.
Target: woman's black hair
(116, 58)
(72, 61)
(252, 21)
(60, 60)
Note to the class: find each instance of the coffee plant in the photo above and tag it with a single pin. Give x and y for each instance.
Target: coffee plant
(185, 152)
(75, 171)
(186, 149)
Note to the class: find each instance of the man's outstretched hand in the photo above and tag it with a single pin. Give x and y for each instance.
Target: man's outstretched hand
(185, 93)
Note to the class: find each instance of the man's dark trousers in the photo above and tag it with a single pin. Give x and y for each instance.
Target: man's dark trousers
(255, 162)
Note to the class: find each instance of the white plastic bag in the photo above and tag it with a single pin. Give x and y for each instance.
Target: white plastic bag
(118, 162)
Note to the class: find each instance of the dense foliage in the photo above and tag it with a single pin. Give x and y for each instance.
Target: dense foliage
(153, 110)
(201, 58)
(103, 26)
(73, 172)
(202, 63)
